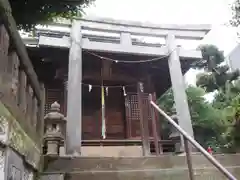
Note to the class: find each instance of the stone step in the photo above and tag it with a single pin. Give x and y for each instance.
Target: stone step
(151, 174)
(69, 164)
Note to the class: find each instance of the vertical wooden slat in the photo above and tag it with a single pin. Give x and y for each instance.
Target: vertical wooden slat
(154, 127)
(4, 45)
(34, 111)
(22, 90)
(41, 110)
(16, 65)
(4, 39)
(143, 121)
(2, 66)
(10, 62)
(189, 159)
(29, 103)
(13, 73)
(65, 98)
(158, 123)
(53, 95)
(128, 115)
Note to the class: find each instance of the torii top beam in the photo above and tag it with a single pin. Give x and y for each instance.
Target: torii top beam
(98, 35)
(194, 32)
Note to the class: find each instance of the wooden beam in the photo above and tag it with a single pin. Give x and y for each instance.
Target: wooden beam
(106, 70)
(188, 31)
(154, 127)
(105, 27)
(114, 77)
(123, 142)
(143, 121)
(117, 48)
(138, 50)
(158, 124)
(192, 27)
(154, 119)
(10, 25)
(54, 42)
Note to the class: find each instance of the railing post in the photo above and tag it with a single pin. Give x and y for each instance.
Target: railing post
(158, 123)
(143, 122)
(189, 159)
(154, 127)
(188, 137)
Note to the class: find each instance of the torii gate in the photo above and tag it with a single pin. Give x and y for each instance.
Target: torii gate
(83, 38)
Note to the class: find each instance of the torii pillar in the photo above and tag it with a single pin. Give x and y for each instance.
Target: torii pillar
(74, 95)
(178, 87)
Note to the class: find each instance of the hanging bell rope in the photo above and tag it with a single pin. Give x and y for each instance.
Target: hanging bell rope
(103, 115)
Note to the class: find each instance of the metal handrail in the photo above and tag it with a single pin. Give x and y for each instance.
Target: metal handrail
(187, 138)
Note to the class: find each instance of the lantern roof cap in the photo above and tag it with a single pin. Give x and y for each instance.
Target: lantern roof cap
(54, 116)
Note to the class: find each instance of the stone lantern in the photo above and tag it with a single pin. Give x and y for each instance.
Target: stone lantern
(55, 130)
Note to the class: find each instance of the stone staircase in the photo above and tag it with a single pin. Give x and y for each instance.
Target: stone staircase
(58, 166)
(164, 167)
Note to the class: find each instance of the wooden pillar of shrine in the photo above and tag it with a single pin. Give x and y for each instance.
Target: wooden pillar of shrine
(154, 120)
(143, 121)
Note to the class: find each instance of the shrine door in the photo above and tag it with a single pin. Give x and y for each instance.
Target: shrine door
(133, 115)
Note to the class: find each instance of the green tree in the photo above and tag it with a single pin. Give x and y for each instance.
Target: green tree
(212, 56)
(215, 123)
(28, 13)
(236, 13)
(208, 122)
(216, 76)
(229, 103)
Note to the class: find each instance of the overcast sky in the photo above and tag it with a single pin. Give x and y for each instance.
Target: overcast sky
(214, 12)
(165, 11)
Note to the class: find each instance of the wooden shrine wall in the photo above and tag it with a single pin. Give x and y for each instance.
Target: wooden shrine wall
(122, 113)
(114, 114)
(54, 92)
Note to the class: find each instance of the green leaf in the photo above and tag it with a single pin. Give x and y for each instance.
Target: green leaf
(28, 13)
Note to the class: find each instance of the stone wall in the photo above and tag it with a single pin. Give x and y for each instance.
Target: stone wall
(2, 163)
(19, 151)
(16, 168)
